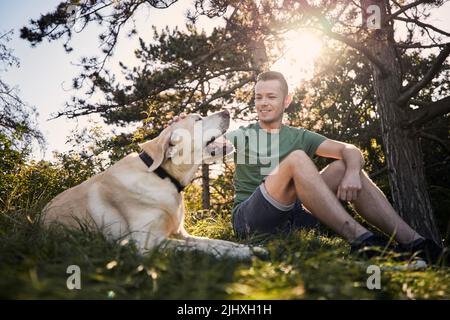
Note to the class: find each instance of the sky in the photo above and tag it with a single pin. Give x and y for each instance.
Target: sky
(46, 71)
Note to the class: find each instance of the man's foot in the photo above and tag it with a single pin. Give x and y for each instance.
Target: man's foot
(370, 247)
(427, 250)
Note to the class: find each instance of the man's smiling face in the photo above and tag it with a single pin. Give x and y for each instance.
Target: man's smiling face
(270, 101)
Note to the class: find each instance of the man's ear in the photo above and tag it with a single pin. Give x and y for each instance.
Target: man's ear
(157, 148)
(287, 101)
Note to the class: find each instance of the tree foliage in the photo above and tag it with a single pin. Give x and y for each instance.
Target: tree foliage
(17, 118)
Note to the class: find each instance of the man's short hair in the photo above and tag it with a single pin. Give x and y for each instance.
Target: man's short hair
(274, 75)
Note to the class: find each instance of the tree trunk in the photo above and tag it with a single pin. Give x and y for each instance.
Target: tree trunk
(402, 149)
(205, 187)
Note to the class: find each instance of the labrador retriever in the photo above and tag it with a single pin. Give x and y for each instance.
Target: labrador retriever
(139, 197)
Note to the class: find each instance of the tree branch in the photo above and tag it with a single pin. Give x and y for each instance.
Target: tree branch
(423, 25)
(431, 73)
(404, 8)
(224, 93)
(355, 45)
(429, 111)
(435, 139)
(438, 164)
(419, 103)
(421, 46)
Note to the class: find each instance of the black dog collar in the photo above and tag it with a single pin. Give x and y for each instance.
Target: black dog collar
(160, 171)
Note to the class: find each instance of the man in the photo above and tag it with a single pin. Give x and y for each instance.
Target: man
(274, 171)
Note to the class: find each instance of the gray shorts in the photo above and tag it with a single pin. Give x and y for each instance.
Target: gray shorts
(261, 214)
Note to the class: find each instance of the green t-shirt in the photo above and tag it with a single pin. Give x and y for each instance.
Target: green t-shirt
(258, 152)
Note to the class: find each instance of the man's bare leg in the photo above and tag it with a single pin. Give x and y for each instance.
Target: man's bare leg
(371, 204)
(297, 177)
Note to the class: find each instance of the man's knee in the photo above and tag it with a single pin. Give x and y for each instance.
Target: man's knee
(299, 162)
(296, 156)
(337, 167)
(333, 174)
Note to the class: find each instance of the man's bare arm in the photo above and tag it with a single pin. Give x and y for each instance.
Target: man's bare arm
(351, 155)
(354, 162)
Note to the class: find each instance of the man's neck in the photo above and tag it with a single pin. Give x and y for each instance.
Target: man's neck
(273, 127)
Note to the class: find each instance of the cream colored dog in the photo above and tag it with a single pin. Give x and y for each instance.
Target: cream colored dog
(139, 196)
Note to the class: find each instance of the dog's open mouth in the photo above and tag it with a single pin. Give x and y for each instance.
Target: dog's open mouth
(219, 145)
(213, 138)
(211, 141)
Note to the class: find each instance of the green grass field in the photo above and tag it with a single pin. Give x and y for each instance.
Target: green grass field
(302, 265)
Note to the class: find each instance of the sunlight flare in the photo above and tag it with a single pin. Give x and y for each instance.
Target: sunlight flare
(296, 62)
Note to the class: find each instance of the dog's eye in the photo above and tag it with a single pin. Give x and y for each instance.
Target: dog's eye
(199, 119)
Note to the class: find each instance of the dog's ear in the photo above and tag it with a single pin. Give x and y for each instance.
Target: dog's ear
(157, 148)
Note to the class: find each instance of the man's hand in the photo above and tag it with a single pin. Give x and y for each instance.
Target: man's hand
(175, 119)
(350, 186)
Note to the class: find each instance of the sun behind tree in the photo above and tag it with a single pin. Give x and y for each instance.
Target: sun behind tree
(302, 48)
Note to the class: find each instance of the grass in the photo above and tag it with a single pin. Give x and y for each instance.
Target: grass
(303, 265)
